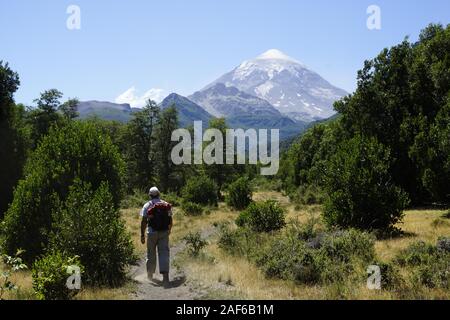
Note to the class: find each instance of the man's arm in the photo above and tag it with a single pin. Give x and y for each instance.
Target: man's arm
(143, 228)
(170, 224)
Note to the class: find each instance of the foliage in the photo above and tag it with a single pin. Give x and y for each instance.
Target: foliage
(361, 192)
(168, 172)
(263, 216)
(417, 253)
(239, 194)
(200, 190)
(89, 226)
(390, 140)
(195, 243)
(429, 263)
(172, 198)
(69, 108)
(221, 173)
(50, 275)
(75, 151)
(191, 208)
(134, 200)
(308, 195)
(140, 148)
(45, 115)
(12, 141)
(331, 257)
(13, 264)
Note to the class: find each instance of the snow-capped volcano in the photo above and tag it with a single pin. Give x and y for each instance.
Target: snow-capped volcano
(287, 84)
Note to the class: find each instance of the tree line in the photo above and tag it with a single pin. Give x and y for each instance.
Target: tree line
(390, 145)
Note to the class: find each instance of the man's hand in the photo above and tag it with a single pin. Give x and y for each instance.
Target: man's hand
(142, 239)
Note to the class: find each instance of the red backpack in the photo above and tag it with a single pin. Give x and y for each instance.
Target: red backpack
(158, 215)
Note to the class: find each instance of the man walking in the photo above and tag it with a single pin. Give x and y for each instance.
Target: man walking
(157, 220)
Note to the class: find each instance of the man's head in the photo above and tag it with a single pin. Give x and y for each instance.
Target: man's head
(154, 192)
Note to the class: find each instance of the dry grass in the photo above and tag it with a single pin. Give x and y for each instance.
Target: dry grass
(425, 225)
(244, 280)
(239, 278)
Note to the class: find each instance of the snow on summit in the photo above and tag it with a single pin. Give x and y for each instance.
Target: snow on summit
(287, 84)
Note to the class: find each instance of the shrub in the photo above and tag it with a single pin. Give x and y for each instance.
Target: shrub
(78, 150)
(361, 193)
(333, 258)
(263, 216)
(431, 264)
(172, 198)
(200, 190)
(195, 243)
(192, 209)
(50, 275)
(241, 242)
(134, 200)
(308, 195)
(416, 254)
(347, 245)
(89, 226)
(390, 276)
(436, 273)
(239, 194)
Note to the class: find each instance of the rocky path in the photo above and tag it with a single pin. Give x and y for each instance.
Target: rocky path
(180, 287)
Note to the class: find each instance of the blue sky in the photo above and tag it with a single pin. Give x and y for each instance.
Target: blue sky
(180, 46)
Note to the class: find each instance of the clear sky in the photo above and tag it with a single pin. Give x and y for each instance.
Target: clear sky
(180, 45)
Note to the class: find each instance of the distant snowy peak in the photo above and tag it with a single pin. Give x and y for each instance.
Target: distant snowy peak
(287, 84)
(274, 54)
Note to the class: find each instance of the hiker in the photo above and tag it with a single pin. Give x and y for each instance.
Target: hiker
(157, 219)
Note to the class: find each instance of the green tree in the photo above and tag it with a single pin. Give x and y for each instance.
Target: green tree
(223, 173)
(360, 188)
(76, 151)
(12, 138)
(45, 115)
(168, 173)
(89, 226)
(69, 108)
(140, 147)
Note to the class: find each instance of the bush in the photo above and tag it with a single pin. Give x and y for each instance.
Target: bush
(416, 254)
(78, 150)
(434, 274)
(134, 200)
(331, 257)
(89, 226)
(239, 194)
(263, 216)
(308, 195)
(192, 209)
(195, 243)
(50, 275)
(361, 193)
(172, 198)
(200, 190)
(241, 242)
(430, 264)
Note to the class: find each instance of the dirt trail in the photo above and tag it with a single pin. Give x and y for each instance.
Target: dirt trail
(180, 287)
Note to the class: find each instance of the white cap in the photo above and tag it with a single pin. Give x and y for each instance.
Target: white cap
(154, 192)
